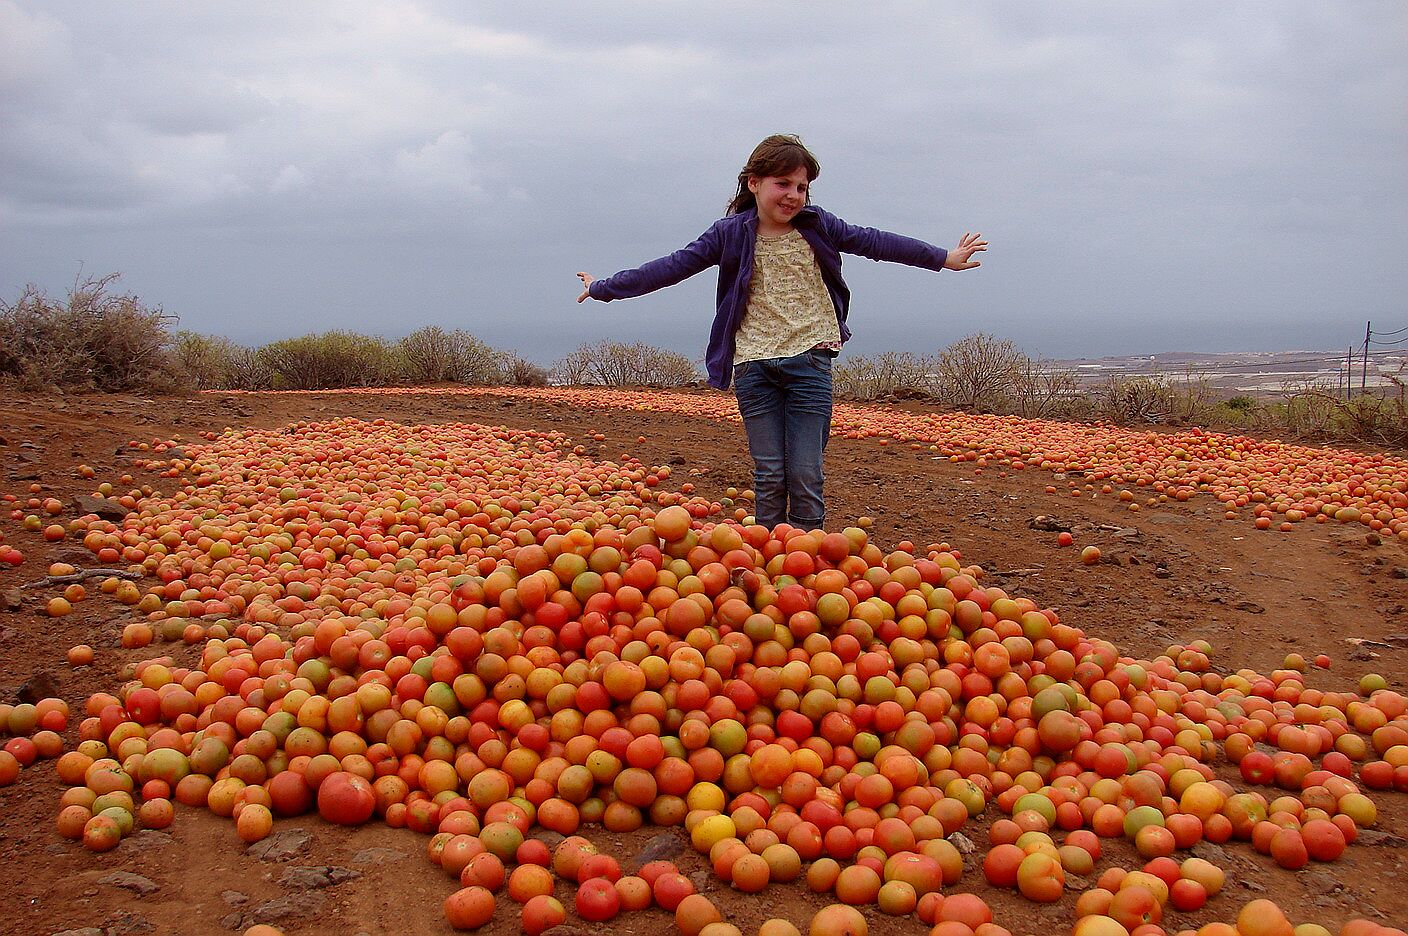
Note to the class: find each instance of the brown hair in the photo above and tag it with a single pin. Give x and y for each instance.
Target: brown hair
(778, 155)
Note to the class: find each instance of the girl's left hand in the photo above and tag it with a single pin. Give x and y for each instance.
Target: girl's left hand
(586, 279)
(958, 257)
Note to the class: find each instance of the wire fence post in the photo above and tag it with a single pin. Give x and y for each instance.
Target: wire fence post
(1364, 365)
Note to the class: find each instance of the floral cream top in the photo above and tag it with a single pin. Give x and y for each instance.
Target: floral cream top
(789, 309)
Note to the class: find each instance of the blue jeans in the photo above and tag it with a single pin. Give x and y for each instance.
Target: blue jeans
(786, 409)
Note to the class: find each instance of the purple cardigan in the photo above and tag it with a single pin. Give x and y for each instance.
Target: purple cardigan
(729, 243)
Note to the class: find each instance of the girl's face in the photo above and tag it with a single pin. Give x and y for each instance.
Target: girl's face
(780, 197)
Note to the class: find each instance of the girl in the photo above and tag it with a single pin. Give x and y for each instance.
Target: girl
(781, 315)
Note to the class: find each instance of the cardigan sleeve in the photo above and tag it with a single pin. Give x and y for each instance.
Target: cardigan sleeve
(666, 271)
(876, 244)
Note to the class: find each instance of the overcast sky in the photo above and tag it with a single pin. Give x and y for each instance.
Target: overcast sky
(1151, 176)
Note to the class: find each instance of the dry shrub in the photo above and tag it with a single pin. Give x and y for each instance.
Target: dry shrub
(94, 339)
(614, 364)
(1190, 399)
(1308, 409)
(1041, 390)
(250, 370)
(332, 360)
(1133, 400)
(207, 360)
(1317, 410)
(518, 372)
(880, 376)
(433, 355)
(978, 372)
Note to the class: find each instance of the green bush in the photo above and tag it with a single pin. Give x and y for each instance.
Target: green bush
(333, 360)
(209, 361)
(433, 355)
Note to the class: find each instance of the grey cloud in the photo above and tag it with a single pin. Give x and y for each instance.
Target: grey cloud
(266, 169)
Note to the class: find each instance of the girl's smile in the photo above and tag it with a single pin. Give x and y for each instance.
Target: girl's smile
(779, 199)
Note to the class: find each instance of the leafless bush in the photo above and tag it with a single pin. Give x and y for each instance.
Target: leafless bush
(978, 372)
(891, 374)
(1040, 390)
(574, 369)
(433, 355)
(250, 369)
(1133, 400)
(94, 339)
(333, 359)
(1190, 399)
(614, 364)
(1309, 409)
(520, 373)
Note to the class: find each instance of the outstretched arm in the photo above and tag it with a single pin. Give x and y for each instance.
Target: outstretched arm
(958, 257)
(657, 274)
(897, 248)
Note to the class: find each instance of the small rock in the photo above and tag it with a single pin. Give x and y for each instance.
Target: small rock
(126, 922)
(1162, 572)
(281, 846)
(664, 845)
(105, 507)
(12, 600)
(549, 838)
(234, 898)
(315, 877)
(233, 921)
(39, 686)
(1211, 852)
(83, 931)
(1378, 838)
(1398, 572)
(703, 881)
(150, 838)
(1251, 607)
(73, 555)
(373, 856)
(129, 881)
(1321, 883)
(963, 843)
(286, 909)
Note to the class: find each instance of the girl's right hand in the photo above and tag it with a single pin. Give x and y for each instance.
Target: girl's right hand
(959, 258)
(586, 279)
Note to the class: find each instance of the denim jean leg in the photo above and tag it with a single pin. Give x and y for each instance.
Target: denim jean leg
(807, 429)
(761, 404)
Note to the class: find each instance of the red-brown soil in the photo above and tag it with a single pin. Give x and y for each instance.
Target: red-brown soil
(1170, 575)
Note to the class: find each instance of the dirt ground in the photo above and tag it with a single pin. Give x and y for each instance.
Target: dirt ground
(1170, 575)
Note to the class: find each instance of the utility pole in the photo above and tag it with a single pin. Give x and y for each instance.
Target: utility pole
(1349, 376)
(1364, 365)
